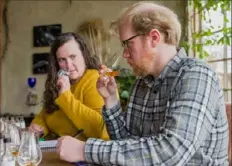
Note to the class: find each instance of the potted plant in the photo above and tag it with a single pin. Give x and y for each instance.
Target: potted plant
(124, 81)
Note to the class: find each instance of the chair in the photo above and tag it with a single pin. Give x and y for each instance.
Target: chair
(229, 116)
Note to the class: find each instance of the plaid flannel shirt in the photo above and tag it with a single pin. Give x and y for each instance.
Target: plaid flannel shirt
(178, 118)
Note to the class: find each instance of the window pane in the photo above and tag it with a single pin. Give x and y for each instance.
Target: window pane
(229, 50)
(215, 52)
(225, 79)
(229, 66)
(227, 96)
(218, 67)
(214, 19)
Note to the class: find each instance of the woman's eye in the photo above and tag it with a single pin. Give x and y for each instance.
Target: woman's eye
(73, 56)
(61, 60)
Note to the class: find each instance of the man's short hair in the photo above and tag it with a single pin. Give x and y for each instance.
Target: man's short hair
(145, 16)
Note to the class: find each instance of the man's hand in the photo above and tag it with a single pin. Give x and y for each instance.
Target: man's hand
(107, 88)
(70, 149)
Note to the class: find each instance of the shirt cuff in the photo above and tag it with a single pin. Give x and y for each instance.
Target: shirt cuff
(110, 114)
(92, 147)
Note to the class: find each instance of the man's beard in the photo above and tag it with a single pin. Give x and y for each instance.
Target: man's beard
(142, 67)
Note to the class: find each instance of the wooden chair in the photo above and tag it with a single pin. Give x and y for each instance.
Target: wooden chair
(229, 116)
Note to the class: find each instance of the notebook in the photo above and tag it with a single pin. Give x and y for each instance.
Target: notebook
(48, 145)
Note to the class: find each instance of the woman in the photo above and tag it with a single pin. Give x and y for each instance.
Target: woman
(71, 102)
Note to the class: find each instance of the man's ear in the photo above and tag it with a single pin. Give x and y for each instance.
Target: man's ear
(155, 37)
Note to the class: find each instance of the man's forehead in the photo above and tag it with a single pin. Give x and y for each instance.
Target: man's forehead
(125, 30)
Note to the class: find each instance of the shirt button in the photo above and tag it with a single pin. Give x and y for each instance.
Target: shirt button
(161, 131)
(154, 91)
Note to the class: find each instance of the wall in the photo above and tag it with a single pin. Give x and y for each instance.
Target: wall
(2, 3)
(23, 15)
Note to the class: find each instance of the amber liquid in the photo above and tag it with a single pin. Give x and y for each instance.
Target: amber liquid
(29, 164)
(112, 73)
(15, 153)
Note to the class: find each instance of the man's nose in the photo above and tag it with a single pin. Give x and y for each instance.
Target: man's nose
(125, 53)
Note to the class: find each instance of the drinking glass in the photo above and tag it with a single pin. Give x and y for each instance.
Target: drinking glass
(15, 139)
(2, 146)
(29, 151)
(113, 64)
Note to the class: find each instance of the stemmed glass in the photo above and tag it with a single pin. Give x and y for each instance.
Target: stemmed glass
(2, 147)
(36, 154)
(15, 139)
(29, 151)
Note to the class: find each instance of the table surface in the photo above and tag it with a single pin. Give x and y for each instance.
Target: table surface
(52, 159)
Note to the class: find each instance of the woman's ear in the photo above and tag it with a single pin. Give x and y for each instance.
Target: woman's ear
(155, 37)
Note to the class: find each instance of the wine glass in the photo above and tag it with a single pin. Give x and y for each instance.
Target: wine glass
(2, 146)
(29, 152)
(112, 66)
(2, 124)
(24, 150)
(36, 154)
(15, 139)
(31, 81)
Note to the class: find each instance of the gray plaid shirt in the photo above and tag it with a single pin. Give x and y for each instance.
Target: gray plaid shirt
(176, 119)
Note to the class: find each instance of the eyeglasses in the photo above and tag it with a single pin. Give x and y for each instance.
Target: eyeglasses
(125, 42)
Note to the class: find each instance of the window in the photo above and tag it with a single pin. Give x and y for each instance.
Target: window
(210, 33)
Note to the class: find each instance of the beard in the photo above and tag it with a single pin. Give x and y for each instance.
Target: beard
(141, 68)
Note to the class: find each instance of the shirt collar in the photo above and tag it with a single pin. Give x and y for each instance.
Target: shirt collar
(173, 65)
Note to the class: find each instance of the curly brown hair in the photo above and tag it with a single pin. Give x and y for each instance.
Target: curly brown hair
(51, 89)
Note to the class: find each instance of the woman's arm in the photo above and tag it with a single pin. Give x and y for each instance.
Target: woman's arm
(85, 113)
(40, 121)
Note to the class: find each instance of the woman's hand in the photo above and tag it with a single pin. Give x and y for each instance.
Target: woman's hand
(107, 87)
(63, 83)
(39, 130)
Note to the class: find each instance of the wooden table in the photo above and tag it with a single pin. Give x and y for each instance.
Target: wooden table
(52, 159)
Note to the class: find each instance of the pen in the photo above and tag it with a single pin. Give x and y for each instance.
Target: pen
(78, 133)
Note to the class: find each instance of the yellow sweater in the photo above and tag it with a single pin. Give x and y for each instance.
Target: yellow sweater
(80, 108)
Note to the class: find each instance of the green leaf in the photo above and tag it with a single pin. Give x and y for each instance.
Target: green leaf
(205, 54)
(228, 40)
(125, 94)
(220, 41)
(214, 35)
(208, 42)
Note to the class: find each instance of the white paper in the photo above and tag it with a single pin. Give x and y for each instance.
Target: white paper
(48, 144)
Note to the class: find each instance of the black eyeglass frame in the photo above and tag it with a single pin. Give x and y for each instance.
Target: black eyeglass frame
(125, 42)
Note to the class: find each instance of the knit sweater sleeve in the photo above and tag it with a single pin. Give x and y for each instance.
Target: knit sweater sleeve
(40, 120)
(85, 112)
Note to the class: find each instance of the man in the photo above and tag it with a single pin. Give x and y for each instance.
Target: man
(176, 113)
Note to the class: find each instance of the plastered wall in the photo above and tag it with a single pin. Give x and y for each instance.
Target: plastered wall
(23, 15)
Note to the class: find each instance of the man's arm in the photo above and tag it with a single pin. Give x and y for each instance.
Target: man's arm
(115, 122)
(115, 119)
(189, 122)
